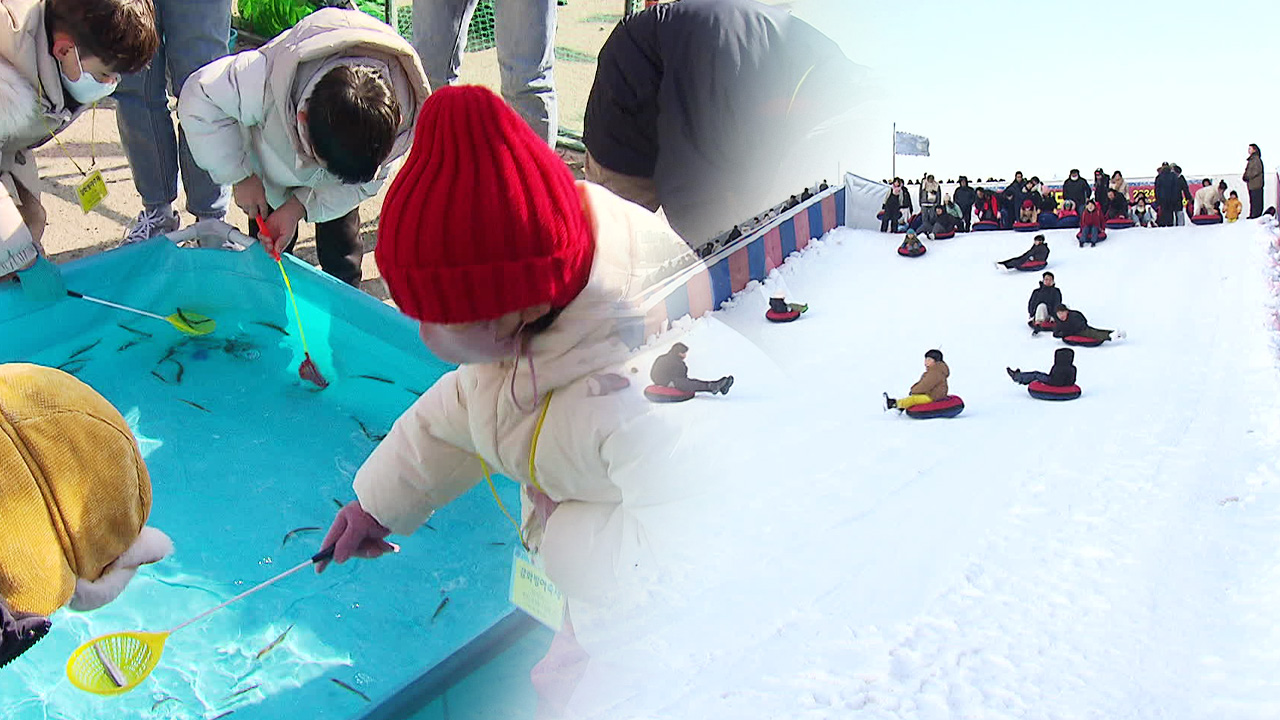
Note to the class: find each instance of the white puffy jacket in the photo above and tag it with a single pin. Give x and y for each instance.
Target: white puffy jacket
(240, 113)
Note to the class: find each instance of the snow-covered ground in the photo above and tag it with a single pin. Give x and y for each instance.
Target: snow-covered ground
(1113, 557)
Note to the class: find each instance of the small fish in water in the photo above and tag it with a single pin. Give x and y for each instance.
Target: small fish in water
(163, 700)
(373, 436)
(135, 332)
(251, 688)
(297, 531)
(375, 378)
(191, 322)
(439, 608)
(178, 378)
(274, 644)
(219, 717)
(159, 377)
(337, 502)
(85, 349)
(497, 544)
(428, 526)
(273, 326)
(348, 688)
(128, 345)
(194, 405)
(415, 393)
(73, 366)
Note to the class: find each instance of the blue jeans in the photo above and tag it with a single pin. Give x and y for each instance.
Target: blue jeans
(526, 33)
(193, 33)
(1091, 234)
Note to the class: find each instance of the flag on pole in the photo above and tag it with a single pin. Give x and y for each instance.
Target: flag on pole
(908, 144)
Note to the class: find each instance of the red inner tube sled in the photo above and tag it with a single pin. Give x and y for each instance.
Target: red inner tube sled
(986, 225)
(1213, 219)
(1045, 325)
(660, 394)
(909, 253)
(1081, 340)
(944, 235)
(1102, 235)
(1032, 265)
(948, 407)
(781, 317)
(1026, 226)
(1043, 391)
(1119, 223)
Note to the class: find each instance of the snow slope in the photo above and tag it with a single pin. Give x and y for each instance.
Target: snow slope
(1112, 557)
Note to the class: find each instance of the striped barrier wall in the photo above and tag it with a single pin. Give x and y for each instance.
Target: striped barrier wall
(703, 288)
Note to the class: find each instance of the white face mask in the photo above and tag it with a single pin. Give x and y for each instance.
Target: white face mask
(87, 89)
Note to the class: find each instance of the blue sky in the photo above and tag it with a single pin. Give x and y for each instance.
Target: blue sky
(1027, 84)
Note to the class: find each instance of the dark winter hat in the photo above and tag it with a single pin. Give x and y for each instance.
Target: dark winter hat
(484, 219)
(1038, 238)
(1074, 171)
(1063, 356)
(935, 355)
(1177, 168)
(679, 348)
(1061, 308)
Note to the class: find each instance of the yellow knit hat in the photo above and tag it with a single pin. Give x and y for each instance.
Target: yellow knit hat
(74, 491)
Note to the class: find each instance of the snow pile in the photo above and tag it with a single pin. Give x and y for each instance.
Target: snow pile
(1109, 557)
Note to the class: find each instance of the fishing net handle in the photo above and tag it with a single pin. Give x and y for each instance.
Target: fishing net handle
(322, 556)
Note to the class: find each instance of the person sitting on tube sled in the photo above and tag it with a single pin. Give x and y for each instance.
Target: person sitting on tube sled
(1142, 214)
(670, 370)
(1074, 323)
(1117, 205)
(1028, 212)
(911, 243)
(1091, 224)
(1038, 252)
(779, 304)
(75, 497)
(1062, 374)
(931, 387)
(987, 207)
(1042, 303)
(937, 221)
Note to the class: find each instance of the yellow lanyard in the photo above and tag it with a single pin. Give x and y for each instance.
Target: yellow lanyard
(93, 144)
(533, 475)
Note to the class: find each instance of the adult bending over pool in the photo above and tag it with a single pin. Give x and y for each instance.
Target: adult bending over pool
(74, 500)
(529, 281)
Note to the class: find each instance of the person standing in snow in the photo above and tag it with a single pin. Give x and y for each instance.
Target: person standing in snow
(670, 370)
(1119, 185)
(1038, 252)
(1100, 186)
(1074, 323)
(891, 210)
(1011, 200)
(931, 387)
(965, 197)
(1044, 299)
(930, 196)
(1062, 374)
(1233, 207)
(1075, 189)
(1185, 200)
(1254, 178)
(1167, 196)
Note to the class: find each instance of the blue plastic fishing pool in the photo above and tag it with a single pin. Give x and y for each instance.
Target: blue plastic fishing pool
(248, 465)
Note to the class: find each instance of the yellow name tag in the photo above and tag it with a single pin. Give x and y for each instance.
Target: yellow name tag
(92, 191)
(533, 592)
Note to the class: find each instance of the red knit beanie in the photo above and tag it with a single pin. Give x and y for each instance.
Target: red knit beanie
(484, 218)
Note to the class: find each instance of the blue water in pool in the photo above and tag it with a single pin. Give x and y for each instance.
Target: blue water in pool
(248, 466)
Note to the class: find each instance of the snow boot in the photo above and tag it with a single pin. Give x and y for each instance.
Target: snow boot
(889, 403)
(1012, 373)
(725, 383)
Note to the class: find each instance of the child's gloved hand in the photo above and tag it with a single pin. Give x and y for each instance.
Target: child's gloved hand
(42, 282)
(355, 533)
(18, 632)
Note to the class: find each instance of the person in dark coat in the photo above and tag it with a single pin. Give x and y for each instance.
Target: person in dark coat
(1044, 300)
(965, 197)
(1011, 200)
(707, 108)
(1075, 189)
(1101, 184)
(1254, 178)
(1117, 206)
(937, 222)
(1185, 202)
(986, 208)
(1166, 189)
(1039, 252)
(1062, 374)
(891, 211)
(1074, 323)
(670, 370)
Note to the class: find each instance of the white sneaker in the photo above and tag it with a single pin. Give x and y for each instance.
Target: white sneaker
(151, 223)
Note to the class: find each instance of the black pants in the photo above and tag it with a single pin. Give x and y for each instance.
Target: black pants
(966, 217)
(889, 222)
(1255, 203)
(338, 246)
(693, 386)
